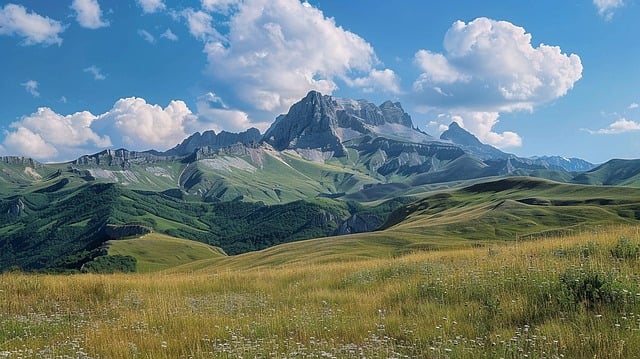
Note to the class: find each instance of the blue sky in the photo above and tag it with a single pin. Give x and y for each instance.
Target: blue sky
(532, 78)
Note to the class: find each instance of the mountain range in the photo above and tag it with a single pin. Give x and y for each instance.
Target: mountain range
(329, 166)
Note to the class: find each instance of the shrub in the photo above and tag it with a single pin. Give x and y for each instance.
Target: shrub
(111, 264)
(626, 249)
(592, 289)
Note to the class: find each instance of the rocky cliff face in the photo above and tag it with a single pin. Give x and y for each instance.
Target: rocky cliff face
(23, 161)
(359, 224)
(119, 158)
(213, 141)
(310, 123)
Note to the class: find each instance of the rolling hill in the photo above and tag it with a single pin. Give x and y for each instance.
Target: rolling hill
(612, 173)
(154, 251)
(498, 210)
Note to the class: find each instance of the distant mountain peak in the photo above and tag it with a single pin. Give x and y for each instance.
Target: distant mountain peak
(460, 136)
(470, 143)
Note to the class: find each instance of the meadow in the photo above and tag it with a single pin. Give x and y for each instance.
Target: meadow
(570, 296)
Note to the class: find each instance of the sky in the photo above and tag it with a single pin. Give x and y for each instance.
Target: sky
(532, 78)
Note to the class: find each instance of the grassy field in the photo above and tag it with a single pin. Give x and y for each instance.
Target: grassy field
(155, 251)
(574, 296)
(516, 207)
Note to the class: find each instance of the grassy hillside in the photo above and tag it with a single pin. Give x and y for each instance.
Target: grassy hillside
(572, 296)
(155, 251)
(517, 207)
(613, 173)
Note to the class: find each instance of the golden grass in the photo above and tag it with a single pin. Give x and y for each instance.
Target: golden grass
(499, 300)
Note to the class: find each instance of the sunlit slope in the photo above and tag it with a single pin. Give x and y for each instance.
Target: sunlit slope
(155, 251)
(348, 248)
(269, 177)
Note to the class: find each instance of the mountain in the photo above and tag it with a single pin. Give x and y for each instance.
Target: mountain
(472, 145)
(568, 164)
(324, 123)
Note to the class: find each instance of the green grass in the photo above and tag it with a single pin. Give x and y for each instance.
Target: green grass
(155, 252)
(565, 296)
(517, 207)
(613, 173)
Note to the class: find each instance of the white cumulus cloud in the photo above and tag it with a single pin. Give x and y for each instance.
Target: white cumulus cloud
(142, 126)
(32, 87)
(151, 6)
(46, 134)
(34, 28)
(620, 126)
(606, 8)
(25, 142)
(131, 123)
(490, 67)
(436, 69)
(272, 52)
(89, 14)
(633, 106)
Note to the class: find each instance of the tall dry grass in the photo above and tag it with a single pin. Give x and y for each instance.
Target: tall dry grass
(513, 300)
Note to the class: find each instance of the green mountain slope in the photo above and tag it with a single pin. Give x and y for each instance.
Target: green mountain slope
(64, 224)
(516, 207)
(54, 229)
(612, 173)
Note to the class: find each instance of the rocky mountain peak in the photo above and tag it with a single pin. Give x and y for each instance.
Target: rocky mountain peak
(470, 143)
(460, 136)
(323, 122)
(394, 113)
(310, 123)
